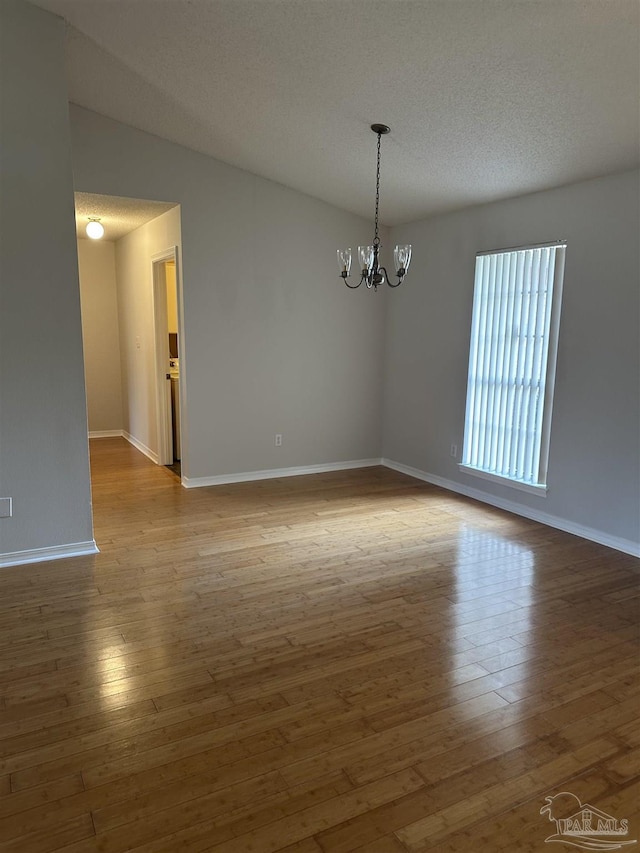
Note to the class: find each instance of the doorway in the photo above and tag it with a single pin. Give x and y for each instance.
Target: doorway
(167, 347)
(118, 300)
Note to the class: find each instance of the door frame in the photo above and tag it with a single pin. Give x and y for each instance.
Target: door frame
(161, 339)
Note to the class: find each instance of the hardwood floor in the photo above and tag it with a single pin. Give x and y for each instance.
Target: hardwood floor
(343, 662)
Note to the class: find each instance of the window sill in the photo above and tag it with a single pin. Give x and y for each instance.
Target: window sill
(540, 491)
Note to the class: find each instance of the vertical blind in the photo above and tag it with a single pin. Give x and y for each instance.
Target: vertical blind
(512, 362)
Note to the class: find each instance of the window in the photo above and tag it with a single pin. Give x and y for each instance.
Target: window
(512, 359)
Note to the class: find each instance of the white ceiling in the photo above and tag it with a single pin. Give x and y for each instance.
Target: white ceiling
(485, 98)
(119, 216)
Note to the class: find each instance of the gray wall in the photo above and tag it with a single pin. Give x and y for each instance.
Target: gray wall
(43, 423)
(274, 342)
(594, 455)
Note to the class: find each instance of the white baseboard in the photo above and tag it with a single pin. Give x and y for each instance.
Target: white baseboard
(272, 473)
(106, 433)
(140, 446)
(628, 546)
(57, 552)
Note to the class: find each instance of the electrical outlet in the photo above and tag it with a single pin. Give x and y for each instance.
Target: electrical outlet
(278, 440)
(6, 507)
(454, 451)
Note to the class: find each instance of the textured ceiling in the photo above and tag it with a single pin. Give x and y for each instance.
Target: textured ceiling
(119, 216)
(485, 98)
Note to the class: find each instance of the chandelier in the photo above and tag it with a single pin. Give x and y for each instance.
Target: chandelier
(372, 274)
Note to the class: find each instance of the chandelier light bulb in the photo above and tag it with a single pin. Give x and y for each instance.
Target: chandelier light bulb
(402, 258)
(344, 262)
(95, 229)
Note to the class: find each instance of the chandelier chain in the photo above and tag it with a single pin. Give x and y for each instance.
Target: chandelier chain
(376, 239)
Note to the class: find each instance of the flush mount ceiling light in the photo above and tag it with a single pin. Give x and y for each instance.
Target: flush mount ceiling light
(94, 229)
(372, 274)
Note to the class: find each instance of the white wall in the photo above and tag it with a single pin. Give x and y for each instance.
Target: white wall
(134, 274)
(44, 462)
(274, 342)
(594, 466)
(100, 334)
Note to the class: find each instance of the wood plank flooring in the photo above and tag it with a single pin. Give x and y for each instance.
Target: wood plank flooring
(352, 662)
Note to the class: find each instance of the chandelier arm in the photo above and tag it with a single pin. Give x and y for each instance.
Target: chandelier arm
(353, 286)
(388, 280)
